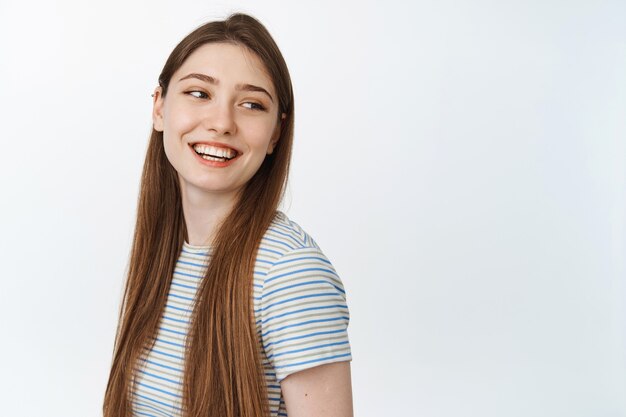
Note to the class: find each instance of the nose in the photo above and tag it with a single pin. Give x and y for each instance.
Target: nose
(220, 118)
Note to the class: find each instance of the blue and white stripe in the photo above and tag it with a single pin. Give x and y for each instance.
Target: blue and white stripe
(300, 311)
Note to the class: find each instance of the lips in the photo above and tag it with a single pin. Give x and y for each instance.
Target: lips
(214, 151)
(217, 155)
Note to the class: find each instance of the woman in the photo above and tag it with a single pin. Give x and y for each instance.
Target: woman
(230, 308)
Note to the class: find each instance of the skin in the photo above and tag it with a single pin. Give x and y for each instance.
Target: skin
(221, 111)
(195, 110)
(324, 390)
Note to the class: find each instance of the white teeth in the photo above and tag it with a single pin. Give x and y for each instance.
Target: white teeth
(212, 158)
(215, 151)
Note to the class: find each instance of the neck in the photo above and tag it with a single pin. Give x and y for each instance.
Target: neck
(204, 212)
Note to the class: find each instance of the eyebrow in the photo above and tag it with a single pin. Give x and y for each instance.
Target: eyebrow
(238, 87)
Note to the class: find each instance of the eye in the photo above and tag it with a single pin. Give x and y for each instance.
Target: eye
(197, 94)
(254, 106)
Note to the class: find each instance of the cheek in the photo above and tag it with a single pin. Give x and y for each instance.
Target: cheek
(176, 125)
(261, 135)
(179, 122)
(170, 151)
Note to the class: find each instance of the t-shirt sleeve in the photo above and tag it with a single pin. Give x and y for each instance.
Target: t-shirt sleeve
(304, 313)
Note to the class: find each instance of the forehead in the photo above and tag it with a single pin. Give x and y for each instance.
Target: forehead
(227, 62)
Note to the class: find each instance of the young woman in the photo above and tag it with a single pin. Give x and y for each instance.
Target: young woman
(230, 308)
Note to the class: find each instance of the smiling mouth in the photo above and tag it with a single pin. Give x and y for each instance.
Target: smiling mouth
(214, 153)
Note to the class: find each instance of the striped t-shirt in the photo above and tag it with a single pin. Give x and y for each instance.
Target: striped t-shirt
(300, 310)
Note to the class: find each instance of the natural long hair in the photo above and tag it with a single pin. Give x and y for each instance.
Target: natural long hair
(223, 369)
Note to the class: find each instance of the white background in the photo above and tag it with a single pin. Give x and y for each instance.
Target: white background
(460, 162)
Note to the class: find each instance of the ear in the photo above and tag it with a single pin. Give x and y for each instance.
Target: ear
(157, 109)
(276, 134)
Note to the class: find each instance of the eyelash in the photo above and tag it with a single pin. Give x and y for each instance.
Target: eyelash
(197, 91)
(255, 106)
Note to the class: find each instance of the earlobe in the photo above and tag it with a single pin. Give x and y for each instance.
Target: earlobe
(276, 137)
(273, 142)
(157, 110)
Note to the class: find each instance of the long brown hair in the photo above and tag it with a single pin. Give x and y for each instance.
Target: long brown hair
(223, 369)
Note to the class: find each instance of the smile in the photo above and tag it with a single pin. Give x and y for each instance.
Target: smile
(214, 153)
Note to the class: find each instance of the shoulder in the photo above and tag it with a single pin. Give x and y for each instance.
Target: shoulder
(284, 236)
(295, 269)
(286, 248)
(287, 251)
(302, 309)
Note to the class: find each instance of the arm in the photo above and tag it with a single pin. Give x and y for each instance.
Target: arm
(321, 391)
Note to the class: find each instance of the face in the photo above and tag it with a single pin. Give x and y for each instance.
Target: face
(219, 119)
